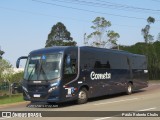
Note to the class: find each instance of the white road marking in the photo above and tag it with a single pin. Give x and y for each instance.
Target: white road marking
(103, 118)
(117, 101)
(147, 109)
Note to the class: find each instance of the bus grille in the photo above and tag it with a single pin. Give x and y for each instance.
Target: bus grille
(38, 88)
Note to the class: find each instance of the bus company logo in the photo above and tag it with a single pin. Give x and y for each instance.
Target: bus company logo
(20, 114)
(96, 76)
(6, 115)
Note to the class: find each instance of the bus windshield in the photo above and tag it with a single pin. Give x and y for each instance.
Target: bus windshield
(43, 67)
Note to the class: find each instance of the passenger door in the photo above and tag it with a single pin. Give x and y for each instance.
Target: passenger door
(70, 72)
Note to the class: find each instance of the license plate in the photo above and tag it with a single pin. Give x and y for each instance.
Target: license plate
(36, 95)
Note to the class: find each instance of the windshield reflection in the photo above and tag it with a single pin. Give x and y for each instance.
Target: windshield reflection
(44, 67)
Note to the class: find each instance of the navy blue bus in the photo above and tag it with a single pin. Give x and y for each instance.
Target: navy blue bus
(60, 74)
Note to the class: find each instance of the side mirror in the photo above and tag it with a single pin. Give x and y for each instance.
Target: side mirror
(18, 60)
(17, 63)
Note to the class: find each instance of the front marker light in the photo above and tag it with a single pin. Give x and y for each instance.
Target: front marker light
(145, 71)
(25, 89)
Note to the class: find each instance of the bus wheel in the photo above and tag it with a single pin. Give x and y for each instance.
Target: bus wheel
(82, 96)
(129, 89)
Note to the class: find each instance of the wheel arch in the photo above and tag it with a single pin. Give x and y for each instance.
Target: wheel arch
(131, 82)
(84, 86)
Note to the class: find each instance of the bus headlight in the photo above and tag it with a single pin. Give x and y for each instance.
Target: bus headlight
(52, 88)
(54, 84)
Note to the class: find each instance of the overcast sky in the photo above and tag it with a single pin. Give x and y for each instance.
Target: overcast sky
(25, 24)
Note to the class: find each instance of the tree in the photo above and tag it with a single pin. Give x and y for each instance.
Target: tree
(59, 36)
(100, 36)
(158, 37)
(1, 53)
(17, 77)
(6, 73)
(146, 30)
(150, 49)
(113, 36)
(7, 76)
(4, 65)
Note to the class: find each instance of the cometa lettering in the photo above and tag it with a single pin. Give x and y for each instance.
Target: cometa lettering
(96, 76)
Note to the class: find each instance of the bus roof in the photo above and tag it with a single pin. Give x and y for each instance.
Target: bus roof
(49, 50)
(95, 49)
(87, 48)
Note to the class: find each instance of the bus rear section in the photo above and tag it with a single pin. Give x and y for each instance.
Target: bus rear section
(107, 71)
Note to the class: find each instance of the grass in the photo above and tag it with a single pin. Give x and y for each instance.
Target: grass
(13, 99)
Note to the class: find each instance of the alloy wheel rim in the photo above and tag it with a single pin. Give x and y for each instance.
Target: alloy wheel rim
(82, 95)
(129, 89)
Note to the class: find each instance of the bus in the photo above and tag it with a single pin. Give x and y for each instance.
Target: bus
(66, 73)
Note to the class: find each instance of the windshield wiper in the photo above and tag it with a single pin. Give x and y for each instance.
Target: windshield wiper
(35, 67)
(44, 74)
(31, 73)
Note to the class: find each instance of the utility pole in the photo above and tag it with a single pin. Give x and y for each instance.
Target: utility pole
(85, 40)
(118, 47)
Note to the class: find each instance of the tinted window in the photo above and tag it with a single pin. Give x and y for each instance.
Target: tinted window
(70, 65)
(98, 64)
(43, 67)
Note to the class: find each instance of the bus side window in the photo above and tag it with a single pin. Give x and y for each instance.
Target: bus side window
(97, 64)
(102, 66)
(70, 68)
(108, 65)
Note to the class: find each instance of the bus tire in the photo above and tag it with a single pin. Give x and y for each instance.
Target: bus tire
(82, 96)
(129, 88)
